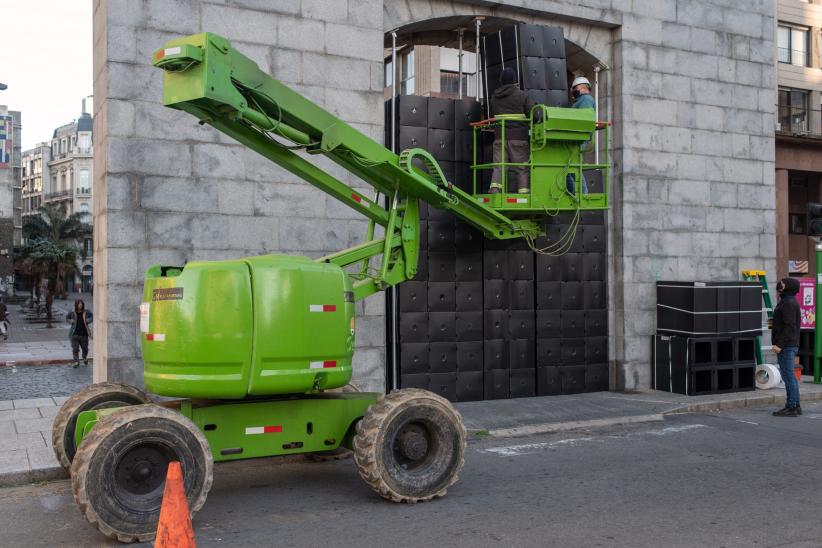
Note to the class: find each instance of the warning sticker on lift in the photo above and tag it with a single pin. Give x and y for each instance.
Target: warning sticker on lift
(167, 294)
(145, 308)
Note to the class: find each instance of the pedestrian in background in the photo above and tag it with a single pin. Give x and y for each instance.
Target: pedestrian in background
(785, 340)
(3, 319)
(80, 331)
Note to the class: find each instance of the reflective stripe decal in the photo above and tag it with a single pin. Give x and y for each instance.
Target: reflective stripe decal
(517, 200)
(263, 430)
(323, 365)
(322, 308)
(160, 337)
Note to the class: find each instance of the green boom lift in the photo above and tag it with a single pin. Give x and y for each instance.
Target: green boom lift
(261, 348)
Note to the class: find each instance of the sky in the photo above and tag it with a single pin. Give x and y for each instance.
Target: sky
(46, 62)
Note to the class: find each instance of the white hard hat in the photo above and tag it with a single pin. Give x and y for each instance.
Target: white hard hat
(580, 80)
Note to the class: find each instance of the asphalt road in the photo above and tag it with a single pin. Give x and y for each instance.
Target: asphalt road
(737, 478)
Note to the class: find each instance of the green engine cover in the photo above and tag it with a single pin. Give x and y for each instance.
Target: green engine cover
(259, 326)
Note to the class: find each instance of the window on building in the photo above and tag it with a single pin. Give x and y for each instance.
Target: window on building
(407, 76)
(793, 110)
(55, 149)
(83, 182)
(62, 146)
(792, 44)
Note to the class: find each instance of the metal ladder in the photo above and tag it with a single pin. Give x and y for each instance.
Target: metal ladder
(759, 276)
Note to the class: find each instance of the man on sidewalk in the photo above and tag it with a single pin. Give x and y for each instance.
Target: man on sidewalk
(80, 330)
(785, 339)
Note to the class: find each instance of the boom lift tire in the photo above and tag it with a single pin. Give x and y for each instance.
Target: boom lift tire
(119, 471)
(410, 446)
(102, 395)
(340, 453)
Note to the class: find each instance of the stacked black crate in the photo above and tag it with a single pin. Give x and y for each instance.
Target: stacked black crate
(706, 336)
(449, 359)
(537, 55)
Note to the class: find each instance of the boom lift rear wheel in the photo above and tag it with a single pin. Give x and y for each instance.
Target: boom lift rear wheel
(102, 395)
(119, 471)
(410, 446)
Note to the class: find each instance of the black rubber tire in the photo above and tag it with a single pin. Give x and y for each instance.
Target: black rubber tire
(410, 414)
(104, 474)
(97, 396)
(340, 453)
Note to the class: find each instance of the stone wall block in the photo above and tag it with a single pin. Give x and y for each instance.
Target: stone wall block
(254, 26)
(221, 161)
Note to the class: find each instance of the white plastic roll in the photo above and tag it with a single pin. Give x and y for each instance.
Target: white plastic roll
(767, 376)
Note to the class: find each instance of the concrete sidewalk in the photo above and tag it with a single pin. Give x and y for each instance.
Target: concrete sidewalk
(25, 425)
(37, 352)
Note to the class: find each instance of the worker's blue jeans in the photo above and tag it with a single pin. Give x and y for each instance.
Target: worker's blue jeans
(786, 359)
(570, 182)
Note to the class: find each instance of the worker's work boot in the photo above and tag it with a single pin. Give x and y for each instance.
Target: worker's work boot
(495, 188)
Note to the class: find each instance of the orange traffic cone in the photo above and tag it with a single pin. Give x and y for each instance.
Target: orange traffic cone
(174, 528)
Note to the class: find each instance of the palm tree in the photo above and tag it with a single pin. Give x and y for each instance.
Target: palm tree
(52, 242)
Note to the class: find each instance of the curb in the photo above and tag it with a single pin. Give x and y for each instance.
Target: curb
(16, 363)
(17, 479)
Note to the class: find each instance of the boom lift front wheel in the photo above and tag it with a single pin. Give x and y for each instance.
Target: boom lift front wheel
(119, 471)
(410, 446)
(103, 395)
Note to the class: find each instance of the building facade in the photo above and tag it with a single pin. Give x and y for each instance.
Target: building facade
(35, 173)
(68, 184)
(798, 130)
(11, 222)
(690, 91)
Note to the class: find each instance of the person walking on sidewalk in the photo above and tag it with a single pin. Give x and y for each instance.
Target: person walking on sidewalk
(785, 339)
(4, 318)
(80, 330)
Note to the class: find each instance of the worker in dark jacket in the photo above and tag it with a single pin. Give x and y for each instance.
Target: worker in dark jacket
(785, 340)
(509, 99)
(80, 330)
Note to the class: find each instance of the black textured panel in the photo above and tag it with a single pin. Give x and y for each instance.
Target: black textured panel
(422, 261)
(469, 267)
(463, 146)
(549, 295)
(442, 357)
(596, 323)
(555, 75)
(521, 265)
(495, 354)
(413, 297)
(594, 238)
(496, 324)
(521, 354)
(441, 236)
(466, 111)
(469, 356)
(414, 327)
(523, 383)
(442, 326)
(596, 377)
(549, 352)
(596, 350)
(529, 40)
(444, 384)
(413, 358)
(594, 295)
(522, 295)
(558, 98)
(441, 267)
(521, 324)
(469, 296)
(573, 351)
(496, 384)
(414, 381)
(441, 144)
(469, 386)
(573, 323)
(593, 267)
(441, 296)
(573, 379)
(440, 113)
(467, 239)
(548, 324)
(533, 73)
(497, 295)
(412, 137)
(469, 326)
(571, 265)
(549, 268)
(553, 42)
(495, 265)
(549, 382)
(572, 296)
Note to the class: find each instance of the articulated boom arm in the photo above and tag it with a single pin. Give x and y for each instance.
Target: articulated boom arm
(209, 79)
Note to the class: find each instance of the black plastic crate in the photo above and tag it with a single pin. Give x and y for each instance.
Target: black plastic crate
(413, 297)
(549, 352)
(596, 378)
(556, 76)
(573, 379)
(441, 267)
(469, 326)
(442, 357)
(549, 382)
(442, 326)
(466, 112)
(444, 384)
(533, 73)
(469, 296)
(496, 324)
(468, 267)
(572, 298)
(572, 324)
(413, 358)
(440, 113)
(553, 42)
(414, 327)
(549, 295)
(496, 384)
(572, 268)
(522, 383)
(469, 356)
(593, 267)
(414, 381)
(549, 324)
(496, 294)
(495, 265)
(549, 268)
(596, 323)
(521, 265)
(469, 386)
(594, 297)
(441, 296)
(521, 354)
(521, 324)
(495, 354)
(441, 144)
(596, 350)
(522, 295)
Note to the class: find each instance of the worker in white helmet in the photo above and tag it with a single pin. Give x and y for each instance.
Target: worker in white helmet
(581, 89)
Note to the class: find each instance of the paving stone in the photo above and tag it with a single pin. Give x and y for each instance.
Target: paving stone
(22, 441)
(59, 401)
(25, 413)
(33, 425)
(5, 405)
(48, 412)
(32, 402)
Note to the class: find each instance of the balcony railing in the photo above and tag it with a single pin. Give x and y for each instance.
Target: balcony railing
(79, 191)
(799, 122)
(796, 57)
(61, 195)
